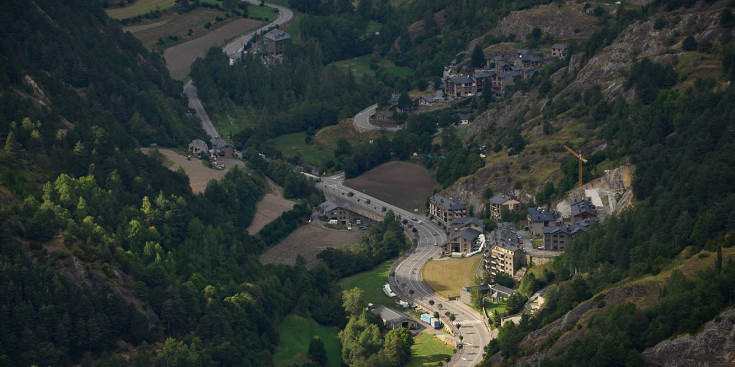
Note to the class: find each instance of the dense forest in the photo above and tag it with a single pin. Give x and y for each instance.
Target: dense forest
(107, 257)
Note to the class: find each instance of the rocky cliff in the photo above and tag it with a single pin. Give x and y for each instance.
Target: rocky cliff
(714, 346)
(659, 38)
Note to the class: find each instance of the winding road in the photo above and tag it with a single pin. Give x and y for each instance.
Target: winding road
(362, 121)
(233, 50)
(407, 274)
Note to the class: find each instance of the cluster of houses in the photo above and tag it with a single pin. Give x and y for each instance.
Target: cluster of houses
(217, 147)
(502, 74)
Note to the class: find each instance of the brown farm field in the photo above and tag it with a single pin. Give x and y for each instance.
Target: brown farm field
(308, 241)
(447, 276)
(198, 173)
(405, 185)
(270, 208)
(149, 31)
(180, 57)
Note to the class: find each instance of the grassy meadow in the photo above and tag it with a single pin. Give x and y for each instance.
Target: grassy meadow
(296, 333)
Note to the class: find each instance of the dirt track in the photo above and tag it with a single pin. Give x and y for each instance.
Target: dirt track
(180, 57)
(270, 208)
(198, 174)
(308, 241)
(405, 185)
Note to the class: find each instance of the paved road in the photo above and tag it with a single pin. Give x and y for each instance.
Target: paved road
(408, 273)
(285, 16)
(233, 50)
(362, 121)
(191, 92)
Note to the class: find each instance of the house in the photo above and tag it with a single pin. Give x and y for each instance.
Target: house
(499, 293)
(504, 259)
(458, 225)
(276, 42)
(446, 210)
(461, 242)
(460, 86)
(427, 101)
(198, 146)
(559, 51)
(394, 319)
(522, 58)
(500, 201)
(465, 294)
(482, 78)
(583, 209)
(502, 80)
(394, 98)
(538, 219)
(556, 237)
(220, 147)
(331, 210)
(464, 119)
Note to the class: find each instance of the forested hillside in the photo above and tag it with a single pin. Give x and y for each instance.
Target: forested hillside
(106, 256)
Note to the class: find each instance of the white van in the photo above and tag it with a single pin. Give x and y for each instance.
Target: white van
(333, 221)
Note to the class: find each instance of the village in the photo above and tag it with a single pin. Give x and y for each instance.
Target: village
(507, 252)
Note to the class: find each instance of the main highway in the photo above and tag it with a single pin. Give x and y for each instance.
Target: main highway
(407, 275)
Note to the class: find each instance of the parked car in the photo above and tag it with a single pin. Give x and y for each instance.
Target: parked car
(363, 228)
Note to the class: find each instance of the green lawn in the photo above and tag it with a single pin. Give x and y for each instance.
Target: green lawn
(233, 122)
(390, 67)
(493, 307)
(359, 65)
(296, 333)
(261, 12)
(293, 144)
(140, 7)
(462, 131)
(428, 350)
(371, 282)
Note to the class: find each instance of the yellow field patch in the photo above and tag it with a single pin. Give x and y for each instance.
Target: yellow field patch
(447, 276)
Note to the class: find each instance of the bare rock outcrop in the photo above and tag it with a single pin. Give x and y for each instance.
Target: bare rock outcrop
(576, 24)
(714, 346)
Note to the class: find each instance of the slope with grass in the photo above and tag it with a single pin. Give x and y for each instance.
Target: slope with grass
(371, 282)
(295, 334)
(428, 350)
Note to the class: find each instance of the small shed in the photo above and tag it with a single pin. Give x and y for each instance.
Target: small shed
(394, 319)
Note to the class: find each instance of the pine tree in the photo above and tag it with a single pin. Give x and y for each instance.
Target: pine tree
(478, 57)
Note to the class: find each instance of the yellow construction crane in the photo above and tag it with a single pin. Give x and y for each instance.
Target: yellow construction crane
(581, 159)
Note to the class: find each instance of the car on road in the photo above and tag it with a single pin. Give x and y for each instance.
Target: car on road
(434, 233)
(415, 219)
(363, 228)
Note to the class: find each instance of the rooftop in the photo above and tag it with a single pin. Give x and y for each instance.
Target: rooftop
(580, 206)
(501, 289)
(449, 204)
(467, 220)
(461, 80)
(329, 205)
(500, 199)
(541, 215)
(277, 35)
(389, 314)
